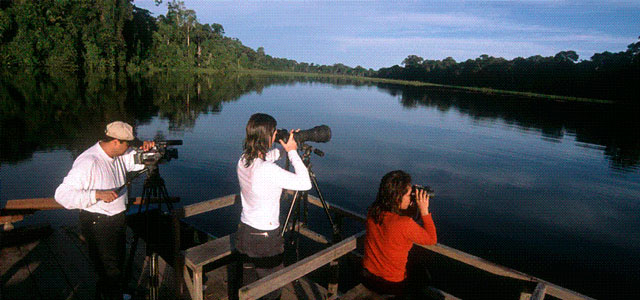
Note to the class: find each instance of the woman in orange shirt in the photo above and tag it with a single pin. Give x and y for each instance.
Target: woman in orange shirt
(390, 234)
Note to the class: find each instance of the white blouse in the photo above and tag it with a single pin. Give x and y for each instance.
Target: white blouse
(261, 186)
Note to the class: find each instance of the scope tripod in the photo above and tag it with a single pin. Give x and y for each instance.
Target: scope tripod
(153, 188)
(303, 197)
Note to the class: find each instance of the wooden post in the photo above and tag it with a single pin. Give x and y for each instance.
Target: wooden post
(334, 266)
(178, 259)
(539, 291)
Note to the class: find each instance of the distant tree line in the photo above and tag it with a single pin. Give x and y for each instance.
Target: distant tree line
(614, 76)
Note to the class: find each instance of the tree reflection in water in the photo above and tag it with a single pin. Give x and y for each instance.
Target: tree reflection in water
(43, 110)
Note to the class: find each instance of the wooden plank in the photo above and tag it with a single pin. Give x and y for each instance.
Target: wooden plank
(219, 279)
(51, 282)
(188, 281)
(280, 278)
(50, 203)
(312, 235)
(210, 251)
(197, 284)
(139, 200)
(75, 267)
(480, 263)
(539, 291)
(205, 206)
(12, 267)
(18, 283)
(11, 219)
(477, 262)
(34, 203)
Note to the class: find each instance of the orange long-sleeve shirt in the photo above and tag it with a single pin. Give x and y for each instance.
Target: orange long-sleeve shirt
(387, 245)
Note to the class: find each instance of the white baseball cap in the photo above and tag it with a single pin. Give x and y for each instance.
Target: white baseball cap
(120, 130)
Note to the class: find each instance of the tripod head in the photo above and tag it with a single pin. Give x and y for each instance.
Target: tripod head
(306, 150)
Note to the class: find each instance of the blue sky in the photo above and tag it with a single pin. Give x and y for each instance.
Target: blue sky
(376, 34)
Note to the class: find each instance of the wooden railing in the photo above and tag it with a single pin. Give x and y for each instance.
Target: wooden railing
(15, 210)
(307, 265)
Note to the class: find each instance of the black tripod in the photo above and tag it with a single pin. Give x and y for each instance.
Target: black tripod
(303, 197)
(153, 188)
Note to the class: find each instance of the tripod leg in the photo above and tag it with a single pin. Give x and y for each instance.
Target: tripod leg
(286, 221)
(336, 230)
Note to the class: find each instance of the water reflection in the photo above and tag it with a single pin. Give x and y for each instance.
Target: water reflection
(612, 127)
(43, 111)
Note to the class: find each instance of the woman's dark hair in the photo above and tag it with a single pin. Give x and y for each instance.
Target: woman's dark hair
(392, 187)
(260, 129)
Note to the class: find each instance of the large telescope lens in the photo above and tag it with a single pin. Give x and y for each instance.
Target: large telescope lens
(318, 134)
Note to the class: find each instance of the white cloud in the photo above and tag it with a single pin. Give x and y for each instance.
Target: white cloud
(447, 20)
(420, 45)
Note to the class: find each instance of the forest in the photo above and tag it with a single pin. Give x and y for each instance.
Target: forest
(611, 76)
(111, 36)
(115, 35)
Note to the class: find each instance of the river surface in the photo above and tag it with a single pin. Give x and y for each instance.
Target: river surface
(550, 189)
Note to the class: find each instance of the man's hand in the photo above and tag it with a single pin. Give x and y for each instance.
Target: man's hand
(147, 145)
(106, 196)
(291, 142)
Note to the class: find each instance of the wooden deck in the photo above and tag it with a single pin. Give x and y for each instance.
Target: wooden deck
(53, 263)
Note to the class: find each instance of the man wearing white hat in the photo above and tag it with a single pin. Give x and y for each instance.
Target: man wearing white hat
(91, 186)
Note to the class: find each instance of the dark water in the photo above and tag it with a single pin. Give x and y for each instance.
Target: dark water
(550, 189)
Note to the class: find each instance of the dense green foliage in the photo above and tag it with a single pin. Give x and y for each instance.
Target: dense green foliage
(114, 35)
(607, 75)
(86, 34)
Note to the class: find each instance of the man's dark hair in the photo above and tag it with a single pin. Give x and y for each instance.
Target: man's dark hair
(260, 129)
(392, 187)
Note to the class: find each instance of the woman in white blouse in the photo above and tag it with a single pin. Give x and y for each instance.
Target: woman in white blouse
(261, 183)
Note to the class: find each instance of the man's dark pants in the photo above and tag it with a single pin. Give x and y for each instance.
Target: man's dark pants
(106, 237)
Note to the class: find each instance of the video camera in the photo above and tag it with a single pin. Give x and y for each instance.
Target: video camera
(158, 154)
(318, 134)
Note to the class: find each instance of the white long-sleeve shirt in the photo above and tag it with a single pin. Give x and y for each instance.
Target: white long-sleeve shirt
(95, 171)
(261, 186)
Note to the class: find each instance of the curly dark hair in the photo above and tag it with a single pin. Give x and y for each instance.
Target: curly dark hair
(392, 187)
(260, 129)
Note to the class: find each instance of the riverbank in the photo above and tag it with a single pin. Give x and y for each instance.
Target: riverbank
(486, 91)
(480, 90)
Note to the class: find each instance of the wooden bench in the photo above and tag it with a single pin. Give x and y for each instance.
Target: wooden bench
(197, 257)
